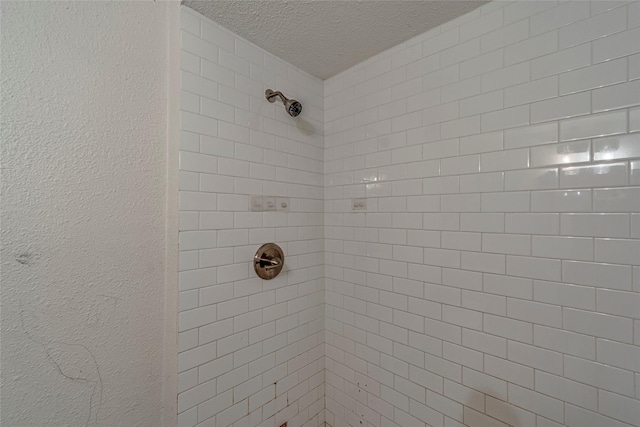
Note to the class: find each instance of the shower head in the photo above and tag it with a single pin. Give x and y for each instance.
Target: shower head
(293, 107)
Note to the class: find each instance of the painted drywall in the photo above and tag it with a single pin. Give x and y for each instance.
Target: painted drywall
(172, 224)
(251, 351)
(84, 175)
(494, 277)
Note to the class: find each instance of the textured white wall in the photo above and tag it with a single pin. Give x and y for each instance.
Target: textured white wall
(251, 350)
(83, 199)
(494, 278)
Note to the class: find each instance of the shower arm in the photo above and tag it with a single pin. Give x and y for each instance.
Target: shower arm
(271, 94)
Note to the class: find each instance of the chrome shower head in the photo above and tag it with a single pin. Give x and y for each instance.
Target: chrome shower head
(293, 107)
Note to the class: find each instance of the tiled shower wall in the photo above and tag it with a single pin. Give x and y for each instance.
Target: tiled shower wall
(493, 278)
(251, 351)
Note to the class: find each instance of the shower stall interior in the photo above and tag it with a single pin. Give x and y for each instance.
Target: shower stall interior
(462, 232)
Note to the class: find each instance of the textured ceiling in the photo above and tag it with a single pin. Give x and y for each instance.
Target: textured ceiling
(325, 37)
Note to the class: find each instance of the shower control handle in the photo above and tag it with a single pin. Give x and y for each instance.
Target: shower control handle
(268, 261)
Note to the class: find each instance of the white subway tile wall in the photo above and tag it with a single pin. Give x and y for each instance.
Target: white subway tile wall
(494, 278)
(251, 351)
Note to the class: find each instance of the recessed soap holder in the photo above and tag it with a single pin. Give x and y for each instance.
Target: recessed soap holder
(268, 261)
